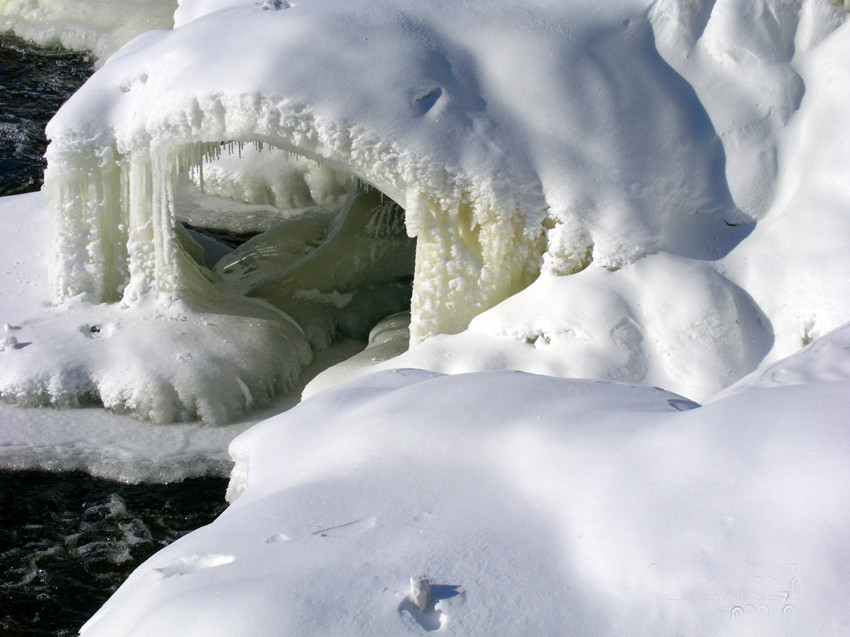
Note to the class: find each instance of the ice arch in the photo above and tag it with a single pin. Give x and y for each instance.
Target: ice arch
(489, 182)
(116, 236)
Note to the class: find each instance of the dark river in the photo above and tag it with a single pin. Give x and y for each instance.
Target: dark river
(33, 85)
(67, 541)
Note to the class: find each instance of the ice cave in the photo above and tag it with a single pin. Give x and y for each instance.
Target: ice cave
(598, 250)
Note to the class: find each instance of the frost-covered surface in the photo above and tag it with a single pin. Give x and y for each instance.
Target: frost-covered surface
(98, 26)
(649, 192)
(532, 505)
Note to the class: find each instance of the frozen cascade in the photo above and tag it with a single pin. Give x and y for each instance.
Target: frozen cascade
(624, 175)
(115, 237)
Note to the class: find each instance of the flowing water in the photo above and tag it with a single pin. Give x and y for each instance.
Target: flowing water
(67, 541)
(33, 85)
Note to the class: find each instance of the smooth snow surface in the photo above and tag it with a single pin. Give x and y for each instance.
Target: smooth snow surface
(532, 506)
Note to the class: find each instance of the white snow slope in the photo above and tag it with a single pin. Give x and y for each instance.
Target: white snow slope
(533, 505)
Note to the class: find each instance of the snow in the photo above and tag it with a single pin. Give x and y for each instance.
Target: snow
(618, 147)
(618, 208)
(84, 436)
(532, 505)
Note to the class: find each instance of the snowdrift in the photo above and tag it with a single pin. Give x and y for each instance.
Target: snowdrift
(650, 194)
(532, 505)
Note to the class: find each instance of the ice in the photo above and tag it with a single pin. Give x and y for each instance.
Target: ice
(621, 165)
(98, 26)
(103, 343)
(388, 340)
(636, 204)
(648, 194)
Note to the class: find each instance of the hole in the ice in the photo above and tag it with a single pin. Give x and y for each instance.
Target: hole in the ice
(426, 98)
(316, 242)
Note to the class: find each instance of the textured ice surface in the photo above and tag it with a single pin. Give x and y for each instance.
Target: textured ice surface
(90, 439)
(653, 178)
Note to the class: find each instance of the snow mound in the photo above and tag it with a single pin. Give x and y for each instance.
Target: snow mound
(734, 525)
(826, 360)
(162, 364)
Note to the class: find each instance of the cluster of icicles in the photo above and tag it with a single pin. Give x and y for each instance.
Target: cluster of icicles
(115, 236)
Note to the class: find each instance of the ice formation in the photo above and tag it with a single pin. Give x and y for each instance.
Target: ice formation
(602, 155)
(639, 192)
(98, 26)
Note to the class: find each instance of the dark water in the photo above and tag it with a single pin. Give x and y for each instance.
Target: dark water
(67, 541)
(33, 85)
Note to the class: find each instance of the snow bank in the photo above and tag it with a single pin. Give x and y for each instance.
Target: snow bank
(662, 321)
(826, 360)
(645, 514)
(98, 26)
